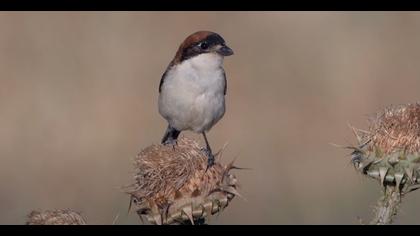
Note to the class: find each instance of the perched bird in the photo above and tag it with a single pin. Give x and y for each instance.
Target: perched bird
(192, 90)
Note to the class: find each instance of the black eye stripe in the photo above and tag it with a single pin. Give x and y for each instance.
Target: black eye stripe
(211, 40)
(215, 39)
(196, 48)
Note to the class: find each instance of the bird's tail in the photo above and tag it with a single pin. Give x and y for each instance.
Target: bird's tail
(171, 134)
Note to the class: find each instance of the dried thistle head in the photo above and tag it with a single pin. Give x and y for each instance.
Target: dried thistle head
(55, 217)
(397, 128)
(171, 184)
(389, 150)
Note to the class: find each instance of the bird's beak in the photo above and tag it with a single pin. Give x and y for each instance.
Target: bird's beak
(225, 51)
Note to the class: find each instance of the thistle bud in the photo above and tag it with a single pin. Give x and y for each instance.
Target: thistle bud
(390, 150)
(390, 153)
(55, 217)
(172, 186)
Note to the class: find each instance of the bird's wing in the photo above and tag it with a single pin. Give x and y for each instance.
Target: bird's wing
(224, 76)
(161, 81)
(164, 76)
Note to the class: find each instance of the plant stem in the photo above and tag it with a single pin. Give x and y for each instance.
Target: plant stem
(387, 206)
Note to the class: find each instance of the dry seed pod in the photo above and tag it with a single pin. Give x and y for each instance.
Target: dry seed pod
(390, 153)
(171, 185)
(56, 217)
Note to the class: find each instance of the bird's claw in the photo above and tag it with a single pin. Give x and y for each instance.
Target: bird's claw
(172, 142)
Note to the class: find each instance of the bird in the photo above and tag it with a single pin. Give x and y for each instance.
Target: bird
(193, 87)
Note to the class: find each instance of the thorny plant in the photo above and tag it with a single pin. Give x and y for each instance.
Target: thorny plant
(390, 153)
(172, 186)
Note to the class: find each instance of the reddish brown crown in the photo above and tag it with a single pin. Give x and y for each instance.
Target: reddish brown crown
(190, 40)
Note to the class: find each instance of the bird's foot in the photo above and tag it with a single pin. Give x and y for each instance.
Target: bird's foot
(210, 157)
(170, 141)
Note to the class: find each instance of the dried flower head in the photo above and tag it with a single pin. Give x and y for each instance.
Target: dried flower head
(397, 128)
(390, 153)
(55, 217)
(171, 184)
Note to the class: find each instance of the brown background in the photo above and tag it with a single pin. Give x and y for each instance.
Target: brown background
(78, 100)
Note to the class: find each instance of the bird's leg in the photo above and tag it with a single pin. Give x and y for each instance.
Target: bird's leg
(209, 153)
(170, 137)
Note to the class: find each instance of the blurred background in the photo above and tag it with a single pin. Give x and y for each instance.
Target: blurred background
(78, 100)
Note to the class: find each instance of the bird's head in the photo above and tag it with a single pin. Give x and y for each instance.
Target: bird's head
(202, 42)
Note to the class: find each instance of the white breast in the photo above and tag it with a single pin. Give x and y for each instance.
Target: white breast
(192, 95)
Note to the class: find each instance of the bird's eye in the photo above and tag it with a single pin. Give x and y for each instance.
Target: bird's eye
(204, 45)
